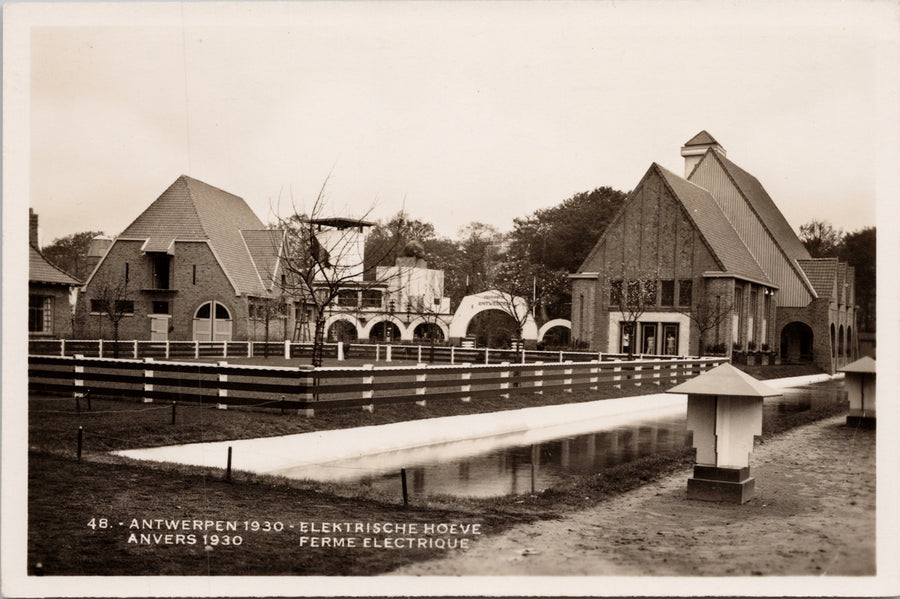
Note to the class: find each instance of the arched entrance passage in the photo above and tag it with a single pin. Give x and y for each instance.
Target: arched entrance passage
(385, 331)
(493, 328)
(212, 322)
(472, 305)
(342, 330)
(555, 332)
(796, 342)
(428, 331)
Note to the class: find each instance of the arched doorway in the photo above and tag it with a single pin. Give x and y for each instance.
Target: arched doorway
(385, 332)
(428, 331)
(557, 336)
(342, 330)
(212, 322)
(796, 342)
(493, 328)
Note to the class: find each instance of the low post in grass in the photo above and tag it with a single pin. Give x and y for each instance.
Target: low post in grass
(173, 413)
(403, 485)
(228, 466)
(80, 440)
(87, 395)
(282, 405)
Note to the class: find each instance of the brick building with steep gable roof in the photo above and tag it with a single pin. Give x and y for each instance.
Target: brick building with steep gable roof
(714, 237)
(49, 292)
(193, 264)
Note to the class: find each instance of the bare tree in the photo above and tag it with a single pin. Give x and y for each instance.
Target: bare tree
(320, 257)
(268, 309)
(632, 296)
(707, 315)
(111, 298)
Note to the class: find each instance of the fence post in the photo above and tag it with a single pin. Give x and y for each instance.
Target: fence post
(560, 357)
(228, 467)
(421, 378)
(100, 348)
(377, 352)
(466, 386)
(656, 374)
(62, 347)
(420, 354)
(637, 374)
(387, 353)
(369, 393)
(80, 438)
(504, 379)
(594, 376)
(225, 349)
(148, 374)
(403, 485)
(196, 350)
(79, 382)
(340, 351)
(135, 349)
(617, 377)
(249, 349)
(538, 384)
(223, 378)
(307, 394)
(452, 354)
(568, 381)
(168, 348)
(287, 349)
(486, 358)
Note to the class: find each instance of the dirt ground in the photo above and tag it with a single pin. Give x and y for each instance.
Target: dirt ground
(813, 514)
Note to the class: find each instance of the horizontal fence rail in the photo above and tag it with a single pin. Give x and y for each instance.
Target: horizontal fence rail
(308, 389)
(172, 350)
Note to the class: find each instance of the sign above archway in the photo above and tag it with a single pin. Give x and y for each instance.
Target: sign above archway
(493, 299)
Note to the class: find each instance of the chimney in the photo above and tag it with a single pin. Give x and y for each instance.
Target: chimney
(98, 248)
(694, 149)
(33, 228)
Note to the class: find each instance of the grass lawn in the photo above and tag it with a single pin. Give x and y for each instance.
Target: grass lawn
(65, 495)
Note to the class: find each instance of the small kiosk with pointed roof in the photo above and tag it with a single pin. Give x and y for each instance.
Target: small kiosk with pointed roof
(859, 380)
(724, 412)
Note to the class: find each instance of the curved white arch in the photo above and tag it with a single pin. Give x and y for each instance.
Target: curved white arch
(405, 335)
(445, 329)
(491, 300)
(351, 319)
(556, 322)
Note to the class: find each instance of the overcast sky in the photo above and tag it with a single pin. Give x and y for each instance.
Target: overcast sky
(458, 112)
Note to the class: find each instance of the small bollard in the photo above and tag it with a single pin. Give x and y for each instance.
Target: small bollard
(173, 413)
(80, 437)
(282, 405)
(403, 483)
(228, 467)
(87, 395)
(78, 402)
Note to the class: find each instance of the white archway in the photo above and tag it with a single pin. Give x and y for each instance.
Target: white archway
(556, 322)
(345, 317)
(492, 300)
(438, 322)
(405, 335)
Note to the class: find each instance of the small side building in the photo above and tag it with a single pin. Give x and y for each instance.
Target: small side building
(50, 292)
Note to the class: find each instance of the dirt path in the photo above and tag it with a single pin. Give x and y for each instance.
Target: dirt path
(813, 514)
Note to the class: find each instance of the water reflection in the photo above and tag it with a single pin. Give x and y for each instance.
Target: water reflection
(524, 462)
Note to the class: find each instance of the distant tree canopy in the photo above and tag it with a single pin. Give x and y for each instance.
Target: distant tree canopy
(821, 239)
(70, 253)
(561, 237)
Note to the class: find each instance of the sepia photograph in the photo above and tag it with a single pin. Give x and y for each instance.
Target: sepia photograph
(476, 298)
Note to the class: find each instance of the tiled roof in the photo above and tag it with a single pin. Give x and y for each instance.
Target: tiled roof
(40, 270)
(265, 246)
(821, 273)
(701, 139)
(190, 210)
(768, 212)
(712, 224)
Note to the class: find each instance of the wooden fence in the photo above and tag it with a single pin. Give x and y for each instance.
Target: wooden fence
(223, 350)
(308, 389)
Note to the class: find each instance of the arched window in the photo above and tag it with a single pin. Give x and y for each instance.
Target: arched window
(841, 341)
(833, 342)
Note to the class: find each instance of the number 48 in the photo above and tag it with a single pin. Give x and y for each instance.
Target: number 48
(96, 523)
